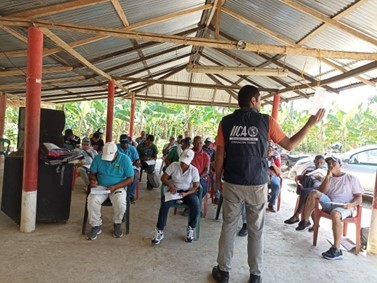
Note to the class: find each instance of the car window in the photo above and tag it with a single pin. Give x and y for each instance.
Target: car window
(364, 157)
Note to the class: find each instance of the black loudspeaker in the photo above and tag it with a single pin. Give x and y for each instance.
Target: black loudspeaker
(54, 190)
(51, 127)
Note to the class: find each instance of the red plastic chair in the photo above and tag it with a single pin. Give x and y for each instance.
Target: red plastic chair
(356, 218)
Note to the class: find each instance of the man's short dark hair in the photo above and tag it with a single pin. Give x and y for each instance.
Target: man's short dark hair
(96, 135)
(245, 94)
(187, 141)
(319, 156)
(150, 137)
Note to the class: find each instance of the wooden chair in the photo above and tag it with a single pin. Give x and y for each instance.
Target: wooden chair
(126, 216)
(182, 205)
(356, 218)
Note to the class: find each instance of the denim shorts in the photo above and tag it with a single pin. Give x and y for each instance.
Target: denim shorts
(327, 207)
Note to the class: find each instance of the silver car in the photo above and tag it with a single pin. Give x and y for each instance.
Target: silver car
(362, 163)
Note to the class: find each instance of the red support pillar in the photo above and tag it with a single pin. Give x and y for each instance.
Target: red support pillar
(110, 111)
(132, 115)
(3, 107)
(32, 128)
(275, 106)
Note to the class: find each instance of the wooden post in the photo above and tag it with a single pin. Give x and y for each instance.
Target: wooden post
(110, 111)
(32, 128)
(3, 106)
(132, 115)
(372, 237)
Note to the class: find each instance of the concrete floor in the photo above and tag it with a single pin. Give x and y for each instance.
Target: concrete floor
(59, 253)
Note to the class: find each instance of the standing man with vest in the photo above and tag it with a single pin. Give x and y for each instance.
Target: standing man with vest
(241, 158)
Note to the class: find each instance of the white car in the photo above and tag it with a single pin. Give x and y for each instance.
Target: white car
(362, 163)
(300, 166)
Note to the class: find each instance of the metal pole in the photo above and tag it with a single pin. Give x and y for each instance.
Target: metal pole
(32, 127)
(372, 237)
(132, 115)
(110, 111)
(3, 106)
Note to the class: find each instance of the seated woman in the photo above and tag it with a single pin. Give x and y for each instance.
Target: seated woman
(182, 178)
(274, 171)
(307, 182)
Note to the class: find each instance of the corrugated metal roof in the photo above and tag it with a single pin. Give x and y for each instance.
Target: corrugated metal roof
(138, 53)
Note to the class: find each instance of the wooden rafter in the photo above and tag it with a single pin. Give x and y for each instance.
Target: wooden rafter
(45, 70)
(220, 4)
(204, 42)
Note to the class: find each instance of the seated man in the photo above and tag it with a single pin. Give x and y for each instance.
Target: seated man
(125, 147)
(96, 142)
(147, 150)
(71, 141)
(175, 152)
(83, 167)
(112, 170)
(337, 187)
(184, 179)
(305, 184)
(202, 162)
(274, 173)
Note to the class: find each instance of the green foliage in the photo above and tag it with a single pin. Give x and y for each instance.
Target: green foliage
(352, 129)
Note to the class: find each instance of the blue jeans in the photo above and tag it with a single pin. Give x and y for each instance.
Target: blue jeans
(203, 183)
(131, 189)
(192, 202)
(275, 190)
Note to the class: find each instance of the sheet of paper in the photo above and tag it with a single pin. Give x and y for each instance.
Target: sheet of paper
(169, 196)
(99, 190)
(337, 203)
(150, 162)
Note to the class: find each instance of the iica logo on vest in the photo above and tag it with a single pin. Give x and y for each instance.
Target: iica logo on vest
(244, 134)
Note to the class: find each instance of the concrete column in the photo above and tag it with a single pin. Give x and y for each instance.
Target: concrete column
(110, 111)
(3, 107)
(132, 115)
(275, 106)
(372, 237)
(32, 128)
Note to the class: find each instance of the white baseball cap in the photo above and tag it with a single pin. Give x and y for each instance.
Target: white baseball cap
(187, 156)
(109, 151)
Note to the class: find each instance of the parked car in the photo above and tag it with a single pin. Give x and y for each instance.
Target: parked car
(300, 166)
(360, 162)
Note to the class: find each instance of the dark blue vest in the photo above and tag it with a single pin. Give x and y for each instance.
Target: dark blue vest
(246, 142)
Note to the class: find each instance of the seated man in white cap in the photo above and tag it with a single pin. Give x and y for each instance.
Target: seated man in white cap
(184, 179)
(113, 171)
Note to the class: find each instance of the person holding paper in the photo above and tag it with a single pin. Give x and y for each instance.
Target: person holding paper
(307, 182)
(338, 194)
(241, 159)
(147, 151)
(125, 147)
(182, 178)
(82, 167)
(112, 170)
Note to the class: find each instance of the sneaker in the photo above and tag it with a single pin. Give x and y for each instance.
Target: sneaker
(271, 208)
(219, 275)
(158, 236)
(117, 230)
(333, 253)
(255, 278)
(96, 230)
(243, 231)
(302, 225)
(190, 234)
(132, 200)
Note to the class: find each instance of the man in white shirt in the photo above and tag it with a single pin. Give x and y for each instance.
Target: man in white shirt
(183, 178)
(83, 167)
(338, 195)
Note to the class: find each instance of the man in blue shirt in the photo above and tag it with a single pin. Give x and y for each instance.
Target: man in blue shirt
(111, 172)
(125, 147)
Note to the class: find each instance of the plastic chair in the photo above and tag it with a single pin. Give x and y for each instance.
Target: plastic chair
(126, 216)
(4, 146)
(182, 205)
(318, 213)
